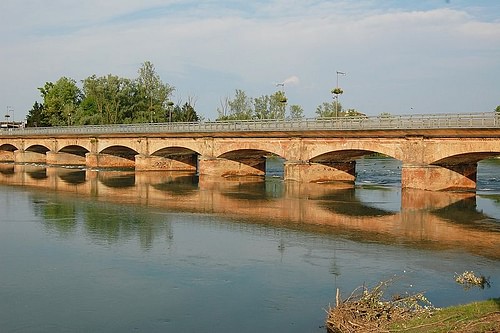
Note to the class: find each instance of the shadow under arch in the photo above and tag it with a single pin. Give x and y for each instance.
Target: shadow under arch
(254, 158)
(8, 147)
(74, 150)
(120, 152)
(37, 149)
(179, 154)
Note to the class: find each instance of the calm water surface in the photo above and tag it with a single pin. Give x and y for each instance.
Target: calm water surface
(109, 251)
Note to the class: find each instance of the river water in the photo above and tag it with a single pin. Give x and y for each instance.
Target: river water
(118, 251)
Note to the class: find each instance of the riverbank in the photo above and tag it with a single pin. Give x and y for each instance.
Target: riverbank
(474, 317)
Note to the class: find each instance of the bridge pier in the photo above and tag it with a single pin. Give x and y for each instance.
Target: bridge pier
(227, 168)
(6, 156)
(439, 178)
(308, 172)
(23, 156)
(93, 160)
(54, 158)
(158, 163)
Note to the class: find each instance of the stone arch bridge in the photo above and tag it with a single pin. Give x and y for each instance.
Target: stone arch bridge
(436, 154)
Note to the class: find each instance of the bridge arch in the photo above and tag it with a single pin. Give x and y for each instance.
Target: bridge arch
(7, 152)
(252, 158)
(176, 158)
(120, 152)
(467, 158)
(74, 150)
(37, 148)
(8, 147)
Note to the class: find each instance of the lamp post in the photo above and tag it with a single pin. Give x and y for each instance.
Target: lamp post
(7, 115)
(283, 98)
(170, 104)
(337, 91)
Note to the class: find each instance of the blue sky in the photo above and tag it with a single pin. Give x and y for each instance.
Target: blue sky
(401, 57)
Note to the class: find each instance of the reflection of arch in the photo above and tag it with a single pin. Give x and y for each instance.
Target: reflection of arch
(346, 203)
(464, 212)
(255, 191)
(38, 174)
(74, 150)
(252, 157)
(7, 170)
(182, 185)
(180, 154)
(37, 149)
(8, 147)
(120, 151)
(120, 181)
(74, 177)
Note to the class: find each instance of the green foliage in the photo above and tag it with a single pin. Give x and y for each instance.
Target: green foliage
(106, 100)
(36, 117)
(296, 111)
(60, 101)
(329, 110)
(497, 109)
(241, 107)
(186, 113)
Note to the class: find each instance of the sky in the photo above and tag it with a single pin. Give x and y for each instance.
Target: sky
(401, 57)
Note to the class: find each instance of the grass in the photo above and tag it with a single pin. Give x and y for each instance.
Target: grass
(474, 317)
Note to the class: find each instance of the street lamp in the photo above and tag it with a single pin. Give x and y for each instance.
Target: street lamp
(7, 115)
(337, 91)
(170, 104)
(282, 97)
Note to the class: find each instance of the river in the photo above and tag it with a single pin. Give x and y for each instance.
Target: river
(122, 251)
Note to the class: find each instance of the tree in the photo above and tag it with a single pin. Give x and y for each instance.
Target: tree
(239, 108)
(296, 112)
(497, 110)
(328, 110)
(153, 90)
(107, 98)
(60, 101)
(261, 107)
(36, 116)
(277, 105)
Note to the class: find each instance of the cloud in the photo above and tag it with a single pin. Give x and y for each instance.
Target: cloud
(393, 56)
(292, 81)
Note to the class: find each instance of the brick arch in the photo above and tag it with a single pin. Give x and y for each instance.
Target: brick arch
(353, 149)
(253, 158)
(276, 148)
(74, 150)
(174, 150)
(8, 147)
(340, 156)
(37, 148)
(467, 158)
(438, 151)
(119, 151)
(186, 158)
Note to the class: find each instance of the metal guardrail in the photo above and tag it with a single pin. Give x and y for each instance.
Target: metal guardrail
(428, 121)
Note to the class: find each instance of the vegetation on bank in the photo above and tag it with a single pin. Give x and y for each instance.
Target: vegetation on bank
(367, 310)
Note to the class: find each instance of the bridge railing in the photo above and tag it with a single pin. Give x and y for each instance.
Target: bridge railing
(424, 121)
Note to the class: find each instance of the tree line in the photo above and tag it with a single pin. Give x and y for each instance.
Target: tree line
(109, 99)
(112, 99)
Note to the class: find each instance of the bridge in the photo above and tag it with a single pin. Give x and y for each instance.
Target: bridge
(438, 152)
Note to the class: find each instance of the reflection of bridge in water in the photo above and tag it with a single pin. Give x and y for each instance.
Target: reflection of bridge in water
(438, 220)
